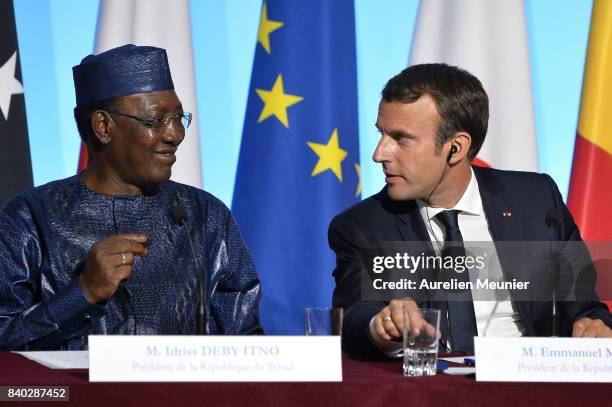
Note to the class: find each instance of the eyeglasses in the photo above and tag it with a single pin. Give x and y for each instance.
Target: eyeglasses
(159, 123)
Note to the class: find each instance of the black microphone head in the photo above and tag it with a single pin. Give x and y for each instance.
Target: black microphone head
(178, 212)
(552, 217)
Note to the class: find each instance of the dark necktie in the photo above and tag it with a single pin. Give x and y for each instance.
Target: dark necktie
(461, 318)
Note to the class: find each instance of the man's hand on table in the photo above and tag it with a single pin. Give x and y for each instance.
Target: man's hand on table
(591, 328)
(389, 322)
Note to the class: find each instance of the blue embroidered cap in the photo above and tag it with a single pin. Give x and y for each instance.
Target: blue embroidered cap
(121, 71)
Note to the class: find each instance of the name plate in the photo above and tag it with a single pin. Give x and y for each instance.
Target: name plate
(530, 359)
(214, 358)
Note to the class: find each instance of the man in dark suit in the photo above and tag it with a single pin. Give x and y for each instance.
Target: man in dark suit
(433, 120)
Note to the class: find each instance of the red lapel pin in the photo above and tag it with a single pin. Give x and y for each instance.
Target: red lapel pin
(506, 214)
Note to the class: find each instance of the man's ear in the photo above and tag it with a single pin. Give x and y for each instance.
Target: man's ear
(101, 126)
(462, 142)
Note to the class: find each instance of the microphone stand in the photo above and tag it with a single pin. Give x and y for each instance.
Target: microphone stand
(179, 215)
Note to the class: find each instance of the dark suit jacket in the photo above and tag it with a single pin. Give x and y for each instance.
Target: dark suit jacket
(528, 196)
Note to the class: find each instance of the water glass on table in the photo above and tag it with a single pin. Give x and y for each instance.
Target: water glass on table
(323, 321)
(421, 349)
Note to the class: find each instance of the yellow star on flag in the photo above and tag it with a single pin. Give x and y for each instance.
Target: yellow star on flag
(358, 170)
(330, 156)
(265, 28)
(276, 102)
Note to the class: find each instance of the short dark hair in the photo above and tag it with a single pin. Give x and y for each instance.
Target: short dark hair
(461, 101)
(82, 115)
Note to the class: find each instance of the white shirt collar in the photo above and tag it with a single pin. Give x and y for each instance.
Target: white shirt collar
(469, 203)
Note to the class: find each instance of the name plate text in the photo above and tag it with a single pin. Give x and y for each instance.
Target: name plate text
(214, 358)
(531, 359)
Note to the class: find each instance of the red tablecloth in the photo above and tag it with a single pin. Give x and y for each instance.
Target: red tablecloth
(365, 383)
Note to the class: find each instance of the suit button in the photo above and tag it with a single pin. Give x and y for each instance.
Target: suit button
(86, 318)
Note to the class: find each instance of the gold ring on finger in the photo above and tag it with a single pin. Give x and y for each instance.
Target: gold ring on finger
(387, 318)
(123, 259)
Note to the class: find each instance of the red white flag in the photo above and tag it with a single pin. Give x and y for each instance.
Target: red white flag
(163, 24)
(489, 39)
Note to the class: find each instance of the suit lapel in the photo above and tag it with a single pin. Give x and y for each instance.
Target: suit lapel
(408, 219)
(504, 221)
(411, 225)
(506, 226)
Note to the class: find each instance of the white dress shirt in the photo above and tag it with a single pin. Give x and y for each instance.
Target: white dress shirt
(493, 318)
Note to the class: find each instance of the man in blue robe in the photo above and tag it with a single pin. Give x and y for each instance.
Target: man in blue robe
(108, 251)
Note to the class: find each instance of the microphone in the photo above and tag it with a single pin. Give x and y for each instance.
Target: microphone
(179, 216)
(553, 219)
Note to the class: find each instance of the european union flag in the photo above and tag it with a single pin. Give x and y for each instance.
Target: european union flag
(299, 158)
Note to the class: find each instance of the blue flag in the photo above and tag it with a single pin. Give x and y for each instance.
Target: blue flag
(299, 157)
